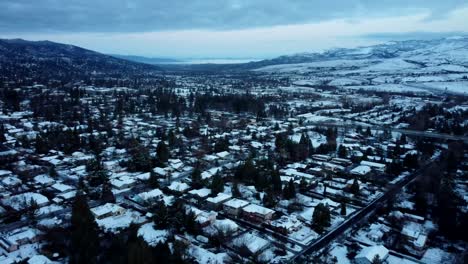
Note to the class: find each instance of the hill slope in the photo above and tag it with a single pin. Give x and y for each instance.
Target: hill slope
(46, 59)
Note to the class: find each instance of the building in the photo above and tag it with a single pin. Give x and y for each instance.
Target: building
(257, 213)
(367, 255)
(234, 206)
(216, 202)
(107, 210)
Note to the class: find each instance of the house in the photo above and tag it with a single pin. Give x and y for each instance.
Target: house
(216, 202)
(286, 224)
(342, 162)
(257, 213)
(13, 240)
(123, 182)
(361, 170)
(374, 165)
(178, 187)
(150, 196)
(200, 194)
(320, 157)
(44, 180)
(255, 244)
(107, 210)
(416, 235)
(367, 255)
(203, 218)
(233, 207)
(25, 200)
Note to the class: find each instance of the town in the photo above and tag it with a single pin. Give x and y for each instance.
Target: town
(249, 167)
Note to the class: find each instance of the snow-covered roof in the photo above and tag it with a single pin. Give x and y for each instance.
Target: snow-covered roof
(219, 198)
(43, 179)
(178, 186)
(257, 209)
(370, 252)
(202, 193)
(150, 194)
(108, 208)
(253, 242)
(236, 203)
(22, 201)
(361, 170)
(373, 164)
(151, 235)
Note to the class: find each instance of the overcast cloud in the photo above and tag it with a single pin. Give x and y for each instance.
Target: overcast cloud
(222, 27)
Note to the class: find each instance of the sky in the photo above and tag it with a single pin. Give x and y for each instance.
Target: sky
(229, 28)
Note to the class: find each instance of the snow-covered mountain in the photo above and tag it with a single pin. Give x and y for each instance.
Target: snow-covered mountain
(415, 65)
(445, 50)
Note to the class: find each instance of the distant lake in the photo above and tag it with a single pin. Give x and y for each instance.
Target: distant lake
(215, 61)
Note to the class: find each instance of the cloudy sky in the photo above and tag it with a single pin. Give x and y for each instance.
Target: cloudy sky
(229, 28)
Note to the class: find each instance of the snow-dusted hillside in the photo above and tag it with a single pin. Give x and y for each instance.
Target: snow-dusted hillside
(439, 65)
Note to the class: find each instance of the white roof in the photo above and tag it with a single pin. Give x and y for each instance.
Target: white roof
(373, 164)
(370, 252)
(252, 242)
(43, 179)
(219, 198)
(202, 193)
(151, 194)
(151, 235)
(253, 208)
(22, 201)
(39, 259)
(236, 203)
(106, 209)
(178, 186)
(61, 187)
(361, 170)
(222, 154)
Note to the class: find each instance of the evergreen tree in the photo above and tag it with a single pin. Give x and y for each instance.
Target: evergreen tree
(289, 190)
(106, 193)
(269, 199)
(355, 187)
(153, 180)
(196, 176)
(343, 209)
(303, 185)
(321, 218)
(84, 236)
(235, 190)
(276, 181)
(217, 185)
(162, 152)
(342, 151)
(2, 133)
(161, 216)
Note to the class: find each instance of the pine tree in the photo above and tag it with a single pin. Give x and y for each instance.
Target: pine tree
(342, 151)
(162, 152)
(276, 181)
(106, 193)
(161, 217)
(196, 176)
(269, 199)
(303, 185)
(343, 209)
(235, 190)
(217, 185)
(84, 237)
(355, 187)
(153, 180)
(289, 190)
(321, 218)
